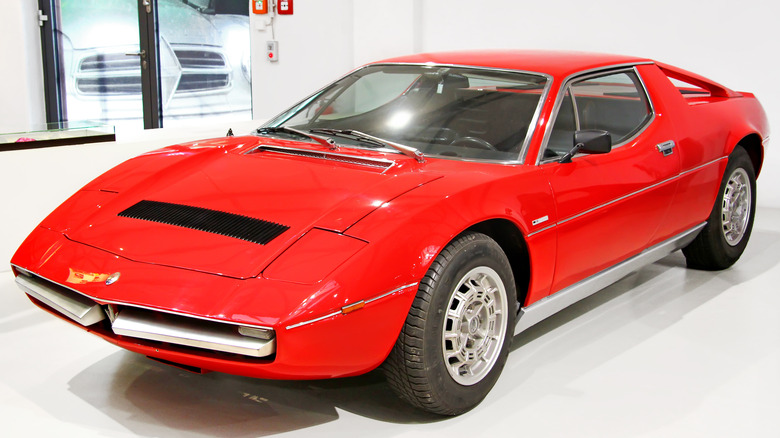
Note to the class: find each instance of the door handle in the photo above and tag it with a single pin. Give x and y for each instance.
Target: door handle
(142, 55)
(666, 148)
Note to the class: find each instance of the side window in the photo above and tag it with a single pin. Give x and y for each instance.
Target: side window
(616, 103)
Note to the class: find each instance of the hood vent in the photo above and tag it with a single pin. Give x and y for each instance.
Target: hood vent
(203, 219)
(343, 158)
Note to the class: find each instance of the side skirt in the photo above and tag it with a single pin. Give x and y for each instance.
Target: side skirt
(564, 298)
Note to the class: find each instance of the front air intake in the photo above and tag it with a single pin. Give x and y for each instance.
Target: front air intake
(211, 221)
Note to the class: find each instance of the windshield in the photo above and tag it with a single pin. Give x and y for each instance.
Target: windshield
(447, 111)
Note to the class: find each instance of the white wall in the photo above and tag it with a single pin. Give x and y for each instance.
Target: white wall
(383, 32)
(21, 75)
(315, 47)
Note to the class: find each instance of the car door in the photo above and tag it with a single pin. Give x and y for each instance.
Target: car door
(608, 205)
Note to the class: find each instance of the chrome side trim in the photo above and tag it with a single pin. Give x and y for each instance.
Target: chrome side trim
(339, 312)
(701, 166)
(75, 306)
(621, 198)
(558, 301)
(311, 321)
(543, 229)
(386, 294)
(190, 332)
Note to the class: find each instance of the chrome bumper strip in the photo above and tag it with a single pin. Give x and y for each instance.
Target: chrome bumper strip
(135, 306)
(340, 311)
(76, 307)
(190, 332)
(148, 324)
(558, 301)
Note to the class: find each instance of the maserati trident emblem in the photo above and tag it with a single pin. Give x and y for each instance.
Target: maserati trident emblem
(112, 278)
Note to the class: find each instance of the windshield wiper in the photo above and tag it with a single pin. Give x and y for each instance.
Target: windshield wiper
(368, 138)
(327, 142)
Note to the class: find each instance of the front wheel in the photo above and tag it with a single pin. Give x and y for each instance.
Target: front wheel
(722, 241)
(456, 338)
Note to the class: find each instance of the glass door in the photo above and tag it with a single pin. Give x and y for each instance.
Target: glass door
(100, 61)
(149, 63)
(204, 57)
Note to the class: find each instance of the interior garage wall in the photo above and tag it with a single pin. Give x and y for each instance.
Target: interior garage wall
(315, 47)
(21, 75)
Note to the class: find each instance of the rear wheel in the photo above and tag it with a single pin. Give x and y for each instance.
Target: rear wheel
(723, 240)
(456, 338)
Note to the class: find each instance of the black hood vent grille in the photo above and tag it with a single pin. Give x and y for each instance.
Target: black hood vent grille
(203, 219)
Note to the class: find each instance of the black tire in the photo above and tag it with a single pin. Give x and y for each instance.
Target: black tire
(417, 368)
(720, 243)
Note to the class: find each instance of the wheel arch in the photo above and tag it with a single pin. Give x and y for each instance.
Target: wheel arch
(753, 144)
(510, 238)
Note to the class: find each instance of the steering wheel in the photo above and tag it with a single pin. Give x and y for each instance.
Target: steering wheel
(474, 143)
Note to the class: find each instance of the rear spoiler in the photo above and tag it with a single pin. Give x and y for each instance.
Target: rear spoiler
(715, 89)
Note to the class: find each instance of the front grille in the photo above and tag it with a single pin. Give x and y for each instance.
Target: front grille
(110, 85)
(149, 327)
(190, 82)
(200, 59)
(109, 62)
(211, 221)
(120, 74)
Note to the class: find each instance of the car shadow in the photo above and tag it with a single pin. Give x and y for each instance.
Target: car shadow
(151, 399)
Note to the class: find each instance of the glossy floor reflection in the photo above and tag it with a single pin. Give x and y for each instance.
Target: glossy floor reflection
(664, 352)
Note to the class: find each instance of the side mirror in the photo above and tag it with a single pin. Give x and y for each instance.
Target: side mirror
(589, 141)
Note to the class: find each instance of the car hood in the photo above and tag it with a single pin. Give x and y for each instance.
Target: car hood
(189, 195)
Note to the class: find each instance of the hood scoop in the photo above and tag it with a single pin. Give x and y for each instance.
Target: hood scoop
(376, 163)
(211, 221)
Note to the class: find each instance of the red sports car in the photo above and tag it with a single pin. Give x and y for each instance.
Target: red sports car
(415, 214)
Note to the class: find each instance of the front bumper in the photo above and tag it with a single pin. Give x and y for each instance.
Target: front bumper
(254, 327)
(141, 323)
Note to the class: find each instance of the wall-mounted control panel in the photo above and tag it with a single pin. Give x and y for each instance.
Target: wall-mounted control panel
(272, 50)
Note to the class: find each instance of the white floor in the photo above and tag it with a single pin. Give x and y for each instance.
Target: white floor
(666, 352)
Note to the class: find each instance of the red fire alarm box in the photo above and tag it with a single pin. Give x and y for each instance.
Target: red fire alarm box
(284, 7)
(260, 6)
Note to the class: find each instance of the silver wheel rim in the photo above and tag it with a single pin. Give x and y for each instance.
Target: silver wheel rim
(735, 209)
(474, 326)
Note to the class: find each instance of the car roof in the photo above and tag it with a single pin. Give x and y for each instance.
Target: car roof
(558, 64)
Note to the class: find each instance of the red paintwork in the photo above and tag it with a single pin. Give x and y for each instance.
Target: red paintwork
(357, 232)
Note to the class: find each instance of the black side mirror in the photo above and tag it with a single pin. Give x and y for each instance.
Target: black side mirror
(589, 141)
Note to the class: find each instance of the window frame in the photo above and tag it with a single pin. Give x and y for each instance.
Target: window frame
(583, 76)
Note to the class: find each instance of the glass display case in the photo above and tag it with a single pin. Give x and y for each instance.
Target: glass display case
(57, 134)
